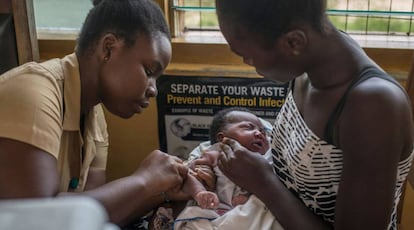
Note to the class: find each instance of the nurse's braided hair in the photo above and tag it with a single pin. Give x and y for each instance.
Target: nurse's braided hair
(126, 19)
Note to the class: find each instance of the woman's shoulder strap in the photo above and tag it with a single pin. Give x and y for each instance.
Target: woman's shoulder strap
(366, 73)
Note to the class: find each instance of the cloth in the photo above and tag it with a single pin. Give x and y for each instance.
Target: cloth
(411, 176)
(252, 215)
(310, 167)
(40, 105)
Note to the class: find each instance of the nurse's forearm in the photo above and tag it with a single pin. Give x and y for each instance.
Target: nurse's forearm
(125, 199)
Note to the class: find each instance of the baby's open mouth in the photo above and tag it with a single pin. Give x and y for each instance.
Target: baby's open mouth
(258, 144)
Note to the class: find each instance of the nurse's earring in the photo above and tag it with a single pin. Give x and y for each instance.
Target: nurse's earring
(296, 41)
(106, 58)
(296, 52)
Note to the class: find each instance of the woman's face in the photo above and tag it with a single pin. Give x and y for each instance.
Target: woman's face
(247, 129)
(128, 78)
(269, 62)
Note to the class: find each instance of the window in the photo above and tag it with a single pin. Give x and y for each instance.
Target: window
(193, 15)
(376, 17)
(194, 20)
(387, 20)
(60, 16)
(390, 21)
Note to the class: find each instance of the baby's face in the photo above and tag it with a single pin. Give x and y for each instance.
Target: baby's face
(247, 129)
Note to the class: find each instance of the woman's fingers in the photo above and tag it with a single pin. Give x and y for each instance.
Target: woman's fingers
(228, 148)
(207, 176)
(176, 159)
(233, 144)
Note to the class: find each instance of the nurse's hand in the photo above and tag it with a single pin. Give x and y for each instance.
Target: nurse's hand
(162, 172)
(206, 176)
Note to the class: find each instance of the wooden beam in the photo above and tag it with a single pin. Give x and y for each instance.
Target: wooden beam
(25, 28)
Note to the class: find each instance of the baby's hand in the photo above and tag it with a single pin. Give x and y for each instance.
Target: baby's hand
(206, 176)
(206, 199)
(209, 157)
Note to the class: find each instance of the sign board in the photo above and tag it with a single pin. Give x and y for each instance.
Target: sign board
(186, 106)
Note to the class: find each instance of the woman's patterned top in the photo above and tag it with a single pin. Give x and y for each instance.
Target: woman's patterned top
(310, 167)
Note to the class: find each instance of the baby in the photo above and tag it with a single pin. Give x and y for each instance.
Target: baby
(236, 123)
(246, 128)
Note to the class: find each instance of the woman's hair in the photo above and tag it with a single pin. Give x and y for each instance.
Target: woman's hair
(220, 120)
(126, 19)
(266, 20)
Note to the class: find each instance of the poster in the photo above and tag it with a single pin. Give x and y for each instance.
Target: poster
(186, 106)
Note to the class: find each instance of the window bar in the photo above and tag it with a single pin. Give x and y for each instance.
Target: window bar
(370, 12)
(389, 18)
(368, 18)
(346, 16)
(193, 8)
(411, 19)
(200, 14)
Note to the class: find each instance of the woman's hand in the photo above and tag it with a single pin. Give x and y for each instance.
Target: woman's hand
(206, 176)
(162, 172)
(202, 168)
(246, 169)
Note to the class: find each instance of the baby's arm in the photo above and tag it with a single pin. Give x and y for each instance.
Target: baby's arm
(204, 198)
(209, 157)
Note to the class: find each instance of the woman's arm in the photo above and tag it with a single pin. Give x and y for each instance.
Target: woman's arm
(253, 173)
(375, 133)
(133, 196)
(28, 172)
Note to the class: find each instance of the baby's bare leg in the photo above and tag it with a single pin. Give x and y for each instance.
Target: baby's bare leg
(239, 199)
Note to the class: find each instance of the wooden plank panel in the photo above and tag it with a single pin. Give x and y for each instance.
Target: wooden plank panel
(24, 24)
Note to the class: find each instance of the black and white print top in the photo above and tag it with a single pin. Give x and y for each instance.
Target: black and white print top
(310, 167)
